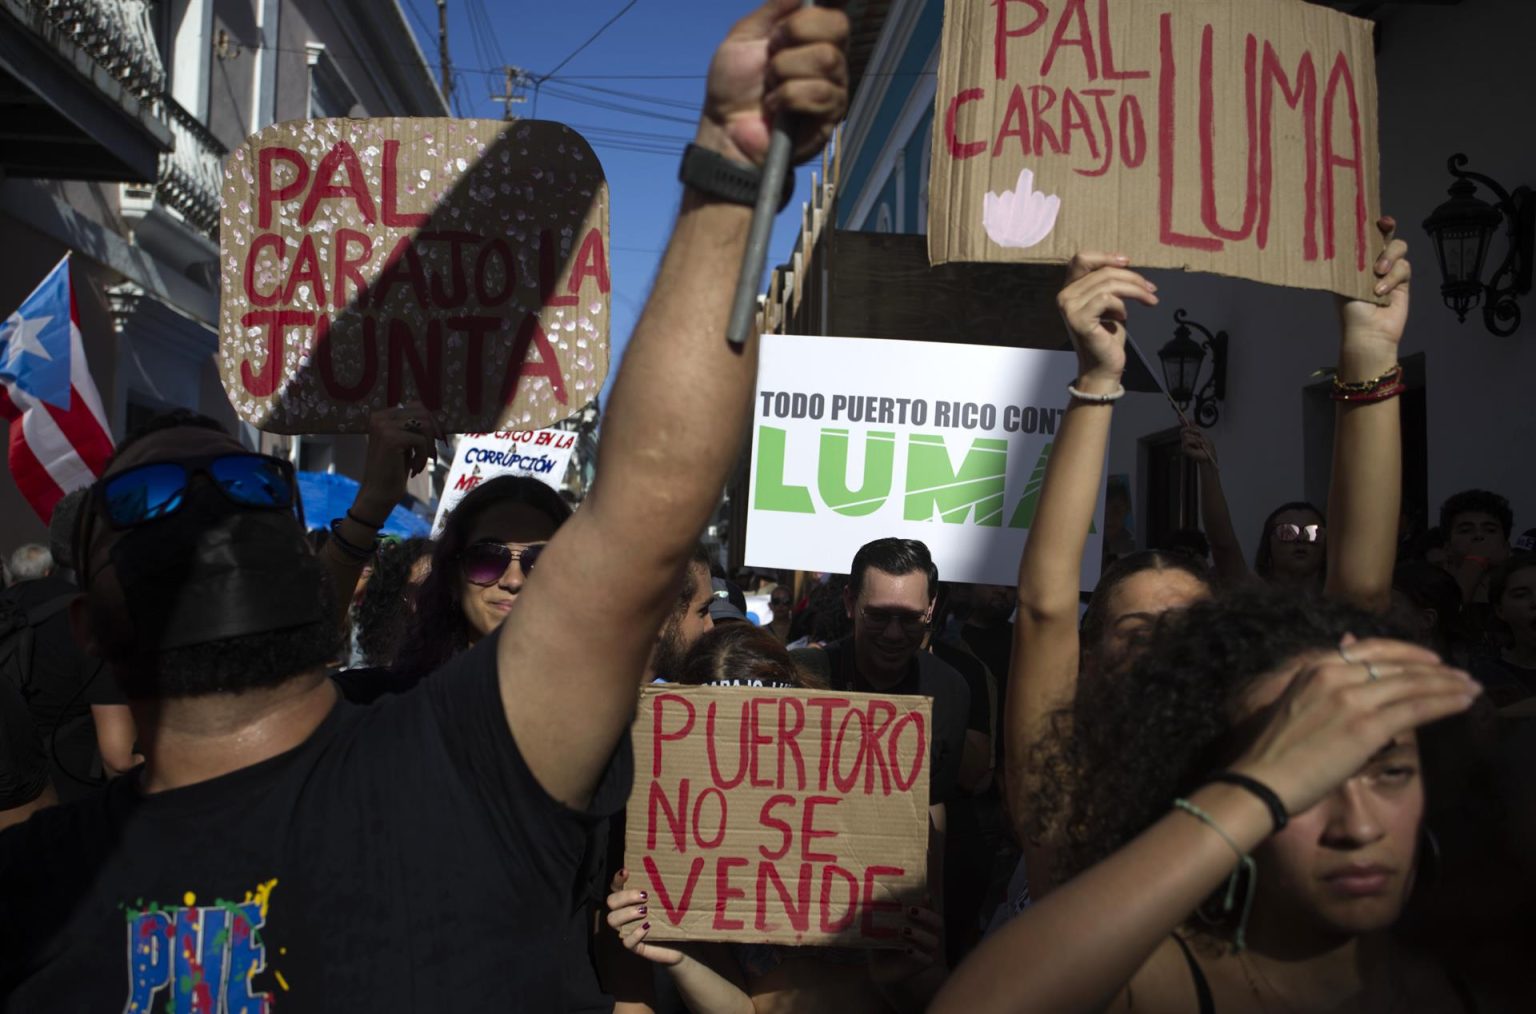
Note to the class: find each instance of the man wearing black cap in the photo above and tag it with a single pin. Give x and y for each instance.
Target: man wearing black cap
(281, 848)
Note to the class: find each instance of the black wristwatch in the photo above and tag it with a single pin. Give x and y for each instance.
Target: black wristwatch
(714, 175)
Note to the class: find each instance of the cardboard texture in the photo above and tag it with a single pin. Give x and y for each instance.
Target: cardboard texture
(370, 262)
(1231, 136)
(780, 816)
(534, 454)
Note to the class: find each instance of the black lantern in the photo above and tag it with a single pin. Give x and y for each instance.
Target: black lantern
(1182, 359)
(1462, 229)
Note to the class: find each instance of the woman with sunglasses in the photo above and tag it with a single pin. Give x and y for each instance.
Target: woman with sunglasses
(1293, 544)
(487, 549)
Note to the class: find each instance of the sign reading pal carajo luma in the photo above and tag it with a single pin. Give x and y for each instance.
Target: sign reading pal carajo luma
(938, 442)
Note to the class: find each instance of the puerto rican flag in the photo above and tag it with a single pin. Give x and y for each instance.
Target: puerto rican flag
(59, 440)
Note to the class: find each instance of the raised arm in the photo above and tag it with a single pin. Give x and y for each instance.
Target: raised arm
(1365, 494)
(1226, 551)
(401, 441)
(674, 426)
(1043, 672)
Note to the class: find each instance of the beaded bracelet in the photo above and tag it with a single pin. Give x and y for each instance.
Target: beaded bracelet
(1392, 376)
(1369, 397)
(1097, 399)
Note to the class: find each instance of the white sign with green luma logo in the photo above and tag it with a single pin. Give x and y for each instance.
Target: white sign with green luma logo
(856, 439)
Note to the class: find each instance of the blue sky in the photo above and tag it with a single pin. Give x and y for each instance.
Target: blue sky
(633, 92)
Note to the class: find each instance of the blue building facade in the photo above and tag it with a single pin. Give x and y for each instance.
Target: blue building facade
(884, 179)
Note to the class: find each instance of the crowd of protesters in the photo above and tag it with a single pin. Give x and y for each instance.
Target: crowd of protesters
(347, 774)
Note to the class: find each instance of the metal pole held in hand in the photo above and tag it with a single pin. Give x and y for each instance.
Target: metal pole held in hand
(769, 192)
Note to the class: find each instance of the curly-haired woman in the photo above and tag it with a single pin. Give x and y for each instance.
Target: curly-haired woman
(389, 598)
(1238, 822)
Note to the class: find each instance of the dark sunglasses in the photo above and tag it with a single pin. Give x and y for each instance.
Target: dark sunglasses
(484, 562)
(1299, 533)
(137, 496)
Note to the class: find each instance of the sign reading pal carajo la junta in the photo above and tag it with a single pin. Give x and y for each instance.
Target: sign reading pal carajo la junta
(370, 262)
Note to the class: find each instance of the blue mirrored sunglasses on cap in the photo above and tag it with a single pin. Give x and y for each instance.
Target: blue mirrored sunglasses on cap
(149, 492)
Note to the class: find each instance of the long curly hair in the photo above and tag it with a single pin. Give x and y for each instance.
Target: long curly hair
(440, 629)
(1114, 761)
(382, 613)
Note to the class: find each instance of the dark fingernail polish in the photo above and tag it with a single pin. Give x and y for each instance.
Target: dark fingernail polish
(912, 911)
(641, 910)
(645, 925)
(644, 896)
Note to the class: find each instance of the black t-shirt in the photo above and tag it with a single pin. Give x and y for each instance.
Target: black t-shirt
(994, 646)
(974, 672)
(926, 676)
(402, 858)
(581, 990)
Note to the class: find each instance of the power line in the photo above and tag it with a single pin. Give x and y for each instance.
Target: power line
(616, 106)
(655, 99)
(593, 38)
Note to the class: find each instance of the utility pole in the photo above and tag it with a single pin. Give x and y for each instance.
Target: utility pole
(444, 66)
(513, 95)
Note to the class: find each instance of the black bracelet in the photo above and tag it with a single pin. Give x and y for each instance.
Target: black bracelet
(1265, 794)
(350, 549)
(365, 524)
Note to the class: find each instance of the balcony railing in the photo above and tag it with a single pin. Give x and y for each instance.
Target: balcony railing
(117, 34)
(192, 175)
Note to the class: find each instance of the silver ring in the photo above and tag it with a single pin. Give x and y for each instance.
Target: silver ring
(1345, 656)
(1372, 672)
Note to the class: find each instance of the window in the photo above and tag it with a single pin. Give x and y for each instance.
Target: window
(329, 93)
(315, 454)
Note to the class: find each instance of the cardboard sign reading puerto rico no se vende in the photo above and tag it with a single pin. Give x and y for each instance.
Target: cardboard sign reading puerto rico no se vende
(370, 262)
(779, 816)
(1237, 137)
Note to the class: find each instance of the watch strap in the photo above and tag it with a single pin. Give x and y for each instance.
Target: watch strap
(714, 175)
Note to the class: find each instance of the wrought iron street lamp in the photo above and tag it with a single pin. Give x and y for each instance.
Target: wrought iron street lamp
(1182, 359)
(1462, 229)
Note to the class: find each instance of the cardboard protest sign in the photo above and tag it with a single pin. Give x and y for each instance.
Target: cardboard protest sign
(939, 442)
(371, 262)
(1237, 137)
(535, 454)
(782, 816)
